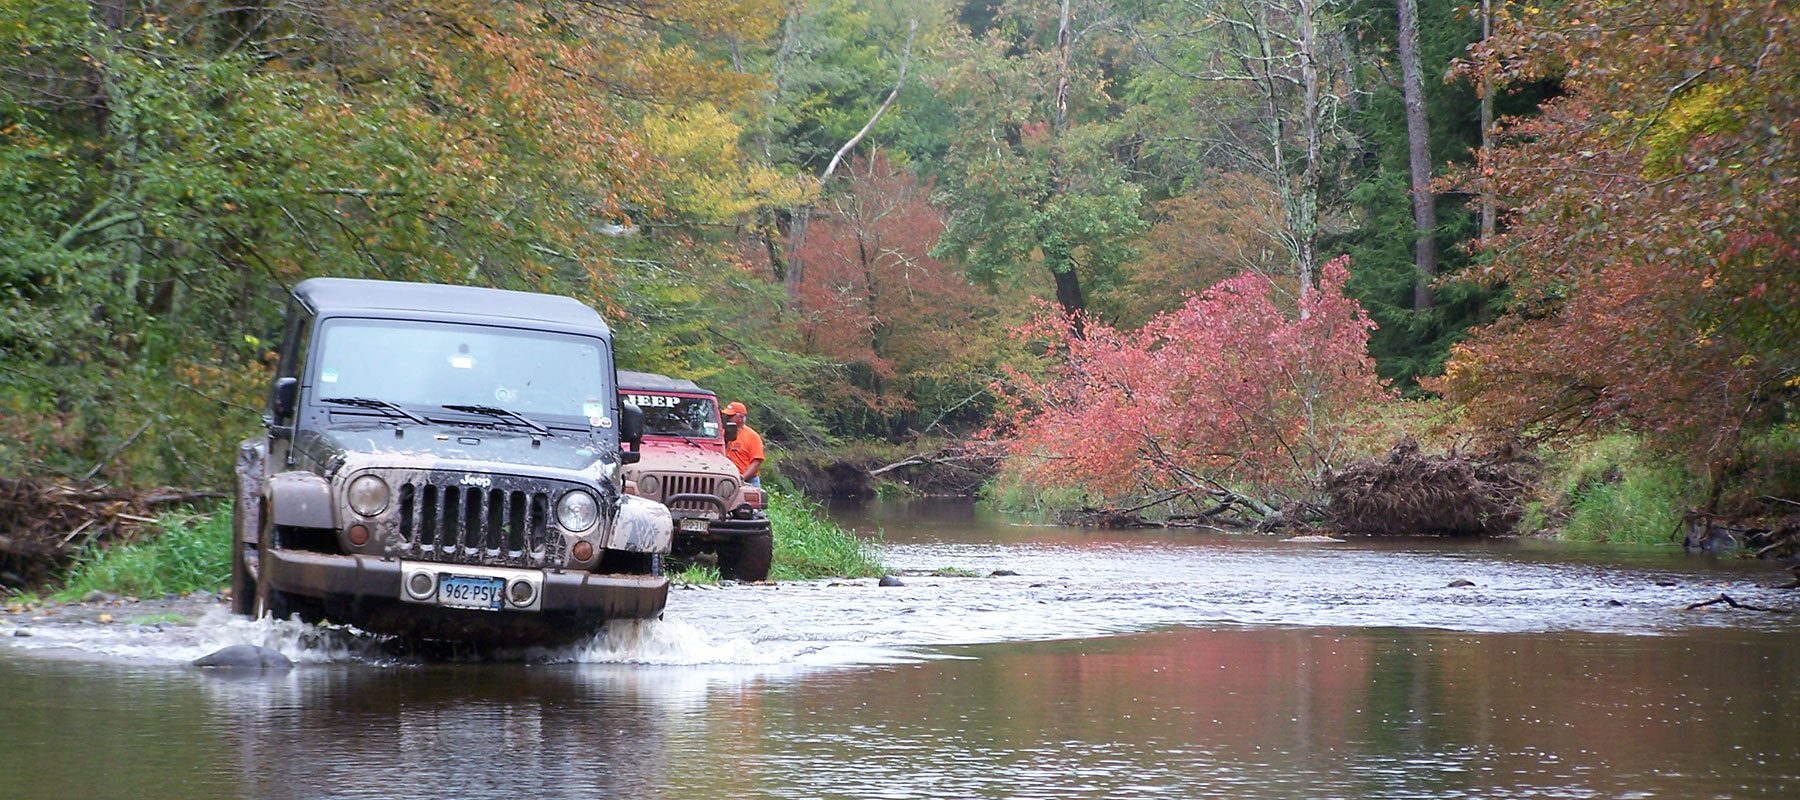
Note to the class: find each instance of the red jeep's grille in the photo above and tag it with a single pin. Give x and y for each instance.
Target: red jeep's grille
(473, 525)
(688, 484)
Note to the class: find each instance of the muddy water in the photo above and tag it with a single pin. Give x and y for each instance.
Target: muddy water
(1143, 664)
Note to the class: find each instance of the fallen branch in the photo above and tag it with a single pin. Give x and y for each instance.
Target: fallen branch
(117, 450)
(1727, 600)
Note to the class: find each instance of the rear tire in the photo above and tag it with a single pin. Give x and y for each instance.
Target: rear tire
(748, 559)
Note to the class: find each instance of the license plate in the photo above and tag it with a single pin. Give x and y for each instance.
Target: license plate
(469, 591)
(694, 525)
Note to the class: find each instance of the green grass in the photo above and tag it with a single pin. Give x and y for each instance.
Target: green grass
(165, 618)
(1612, 490)
(1010, 493)
(807, 546)
(1644, 506)
(696, 575)
(23, 600)
(191, 553)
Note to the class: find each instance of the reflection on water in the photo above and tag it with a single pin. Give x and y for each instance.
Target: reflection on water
(1116, 665)
(1263, 712)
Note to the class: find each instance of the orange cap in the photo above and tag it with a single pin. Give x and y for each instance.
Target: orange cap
(733, 409)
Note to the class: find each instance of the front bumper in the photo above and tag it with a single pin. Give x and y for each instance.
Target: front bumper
(723, 530)
(584, 594)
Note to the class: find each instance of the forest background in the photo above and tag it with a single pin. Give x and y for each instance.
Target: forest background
(1146, 246)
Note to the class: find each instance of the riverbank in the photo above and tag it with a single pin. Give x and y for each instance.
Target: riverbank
(1606, 489)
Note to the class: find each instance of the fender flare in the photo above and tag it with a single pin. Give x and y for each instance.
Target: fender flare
(642, 526)
(300, 500)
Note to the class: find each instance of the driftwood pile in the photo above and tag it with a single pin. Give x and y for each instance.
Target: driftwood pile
(45, 524)
(1410, 491)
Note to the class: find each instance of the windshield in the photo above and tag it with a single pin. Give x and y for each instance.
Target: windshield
(432, 364)
(669, 415)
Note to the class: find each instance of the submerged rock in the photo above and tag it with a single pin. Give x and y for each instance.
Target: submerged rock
(1460, 583)
(245, 656)
(889, 580)
(1003, 573)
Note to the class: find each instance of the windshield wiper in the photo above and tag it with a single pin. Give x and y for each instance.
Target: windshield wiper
(373, 404)
(506, 413)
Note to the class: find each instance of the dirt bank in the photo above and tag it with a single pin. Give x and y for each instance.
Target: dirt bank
(936, 469)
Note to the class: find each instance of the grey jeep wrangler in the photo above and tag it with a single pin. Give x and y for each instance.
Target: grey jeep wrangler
(443, 462)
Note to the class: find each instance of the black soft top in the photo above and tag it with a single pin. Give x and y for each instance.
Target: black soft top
(332, 295)
(652, 382)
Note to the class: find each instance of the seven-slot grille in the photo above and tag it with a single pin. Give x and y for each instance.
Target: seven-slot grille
(689, 484)
(445, 521)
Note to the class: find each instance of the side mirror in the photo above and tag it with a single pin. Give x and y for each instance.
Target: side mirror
(631, 431)
(282, 400)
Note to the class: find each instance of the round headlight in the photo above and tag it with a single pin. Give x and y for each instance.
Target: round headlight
(577, 511)
(726, 488)
(649, 485)
(368, 495)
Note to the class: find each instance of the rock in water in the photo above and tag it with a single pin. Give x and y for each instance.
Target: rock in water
(889, 580)
(245, 656)
(1460, 582)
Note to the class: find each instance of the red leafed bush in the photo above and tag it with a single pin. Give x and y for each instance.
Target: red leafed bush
(1227, 391)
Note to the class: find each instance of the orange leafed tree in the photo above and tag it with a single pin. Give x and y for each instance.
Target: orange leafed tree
(874, 300)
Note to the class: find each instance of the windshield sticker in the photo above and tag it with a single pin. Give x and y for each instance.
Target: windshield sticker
(462, 362)
(328, 376)
(503, 395)
(593, 410)
(602, 422)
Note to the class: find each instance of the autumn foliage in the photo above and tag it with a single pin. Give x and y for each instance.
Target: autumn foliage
(1226, 392)
(1654, 250)
(875, 301)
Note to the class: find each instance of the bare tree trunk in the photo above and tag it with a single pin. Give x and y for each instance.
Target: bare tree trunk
(1307, 220)
(1062, 263)
(1418, 145)
(1487, 130)
(768, 226)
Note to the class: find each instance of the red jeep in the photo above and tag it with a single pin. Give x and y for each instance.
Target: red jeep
(683, 466)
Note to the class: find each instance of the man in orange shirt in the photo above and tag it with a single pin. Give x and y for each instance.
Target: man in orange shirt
(745, 446)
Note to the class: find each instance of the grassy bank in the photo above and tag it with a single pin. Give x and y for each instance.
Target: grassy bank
(190, 551)
(809, 546)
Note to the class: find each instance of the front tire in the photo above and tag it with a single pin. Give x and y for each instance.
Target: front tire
(243, 589)
(748, 559)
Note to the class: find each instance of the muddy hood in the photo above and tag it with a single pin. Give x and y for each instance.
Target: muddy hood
(469, 447)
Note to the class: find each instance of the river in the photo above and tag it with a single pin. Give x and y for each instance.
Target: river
(1113, 664)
